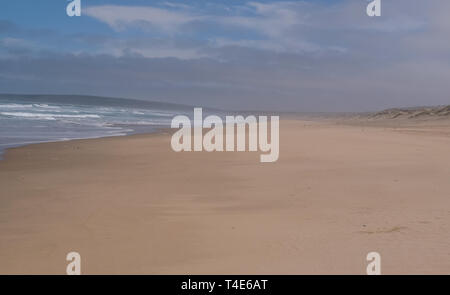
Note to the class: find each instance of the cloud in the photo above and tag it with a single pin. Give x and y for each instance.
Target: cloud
(15, 47)
(282, 26)
(270, 21)
(304, 56)
(121, 17)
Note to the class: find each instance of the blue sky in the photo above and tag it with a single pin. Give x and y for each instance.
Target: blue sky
(49, 17)
(272, 55)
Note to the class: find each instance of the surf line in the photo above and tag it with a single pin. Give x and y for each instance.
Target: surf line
(235, 126)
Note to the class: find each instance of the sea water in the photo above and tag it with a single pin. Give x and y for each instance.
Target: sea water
(25, 120)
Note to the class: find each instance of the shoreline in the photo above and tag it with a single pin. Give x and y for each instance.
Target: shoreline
(5, 150)
(333, 120)
(129, 204)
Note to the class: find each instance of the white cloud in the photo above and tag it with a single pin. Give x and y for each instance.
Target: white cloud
(284, 26)
(271, 21)
(121, 17)
(14, 42)
(15, 46)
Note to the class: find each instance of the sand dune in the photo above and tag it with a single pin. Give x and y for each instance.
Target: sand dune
(439, 112)
(132, 205)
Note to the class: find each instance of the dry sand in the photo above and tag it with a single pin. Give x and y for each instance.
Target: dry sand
(132, 205)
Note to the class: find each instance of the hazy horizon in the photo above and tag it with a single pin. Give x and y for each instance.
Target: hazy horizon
(42, 99)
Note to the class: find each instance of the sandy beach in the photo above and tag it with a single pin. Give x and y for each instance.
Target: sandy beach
(131, 205)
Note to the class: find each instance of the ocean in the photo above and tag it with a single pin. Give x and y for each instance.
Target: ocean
(26, 119)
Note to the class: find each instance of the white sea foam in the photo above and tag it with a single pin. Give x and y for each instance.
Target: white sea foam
(46, 106)
(24, 122)
(46, 116)
(15, 106)
(161, 114)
